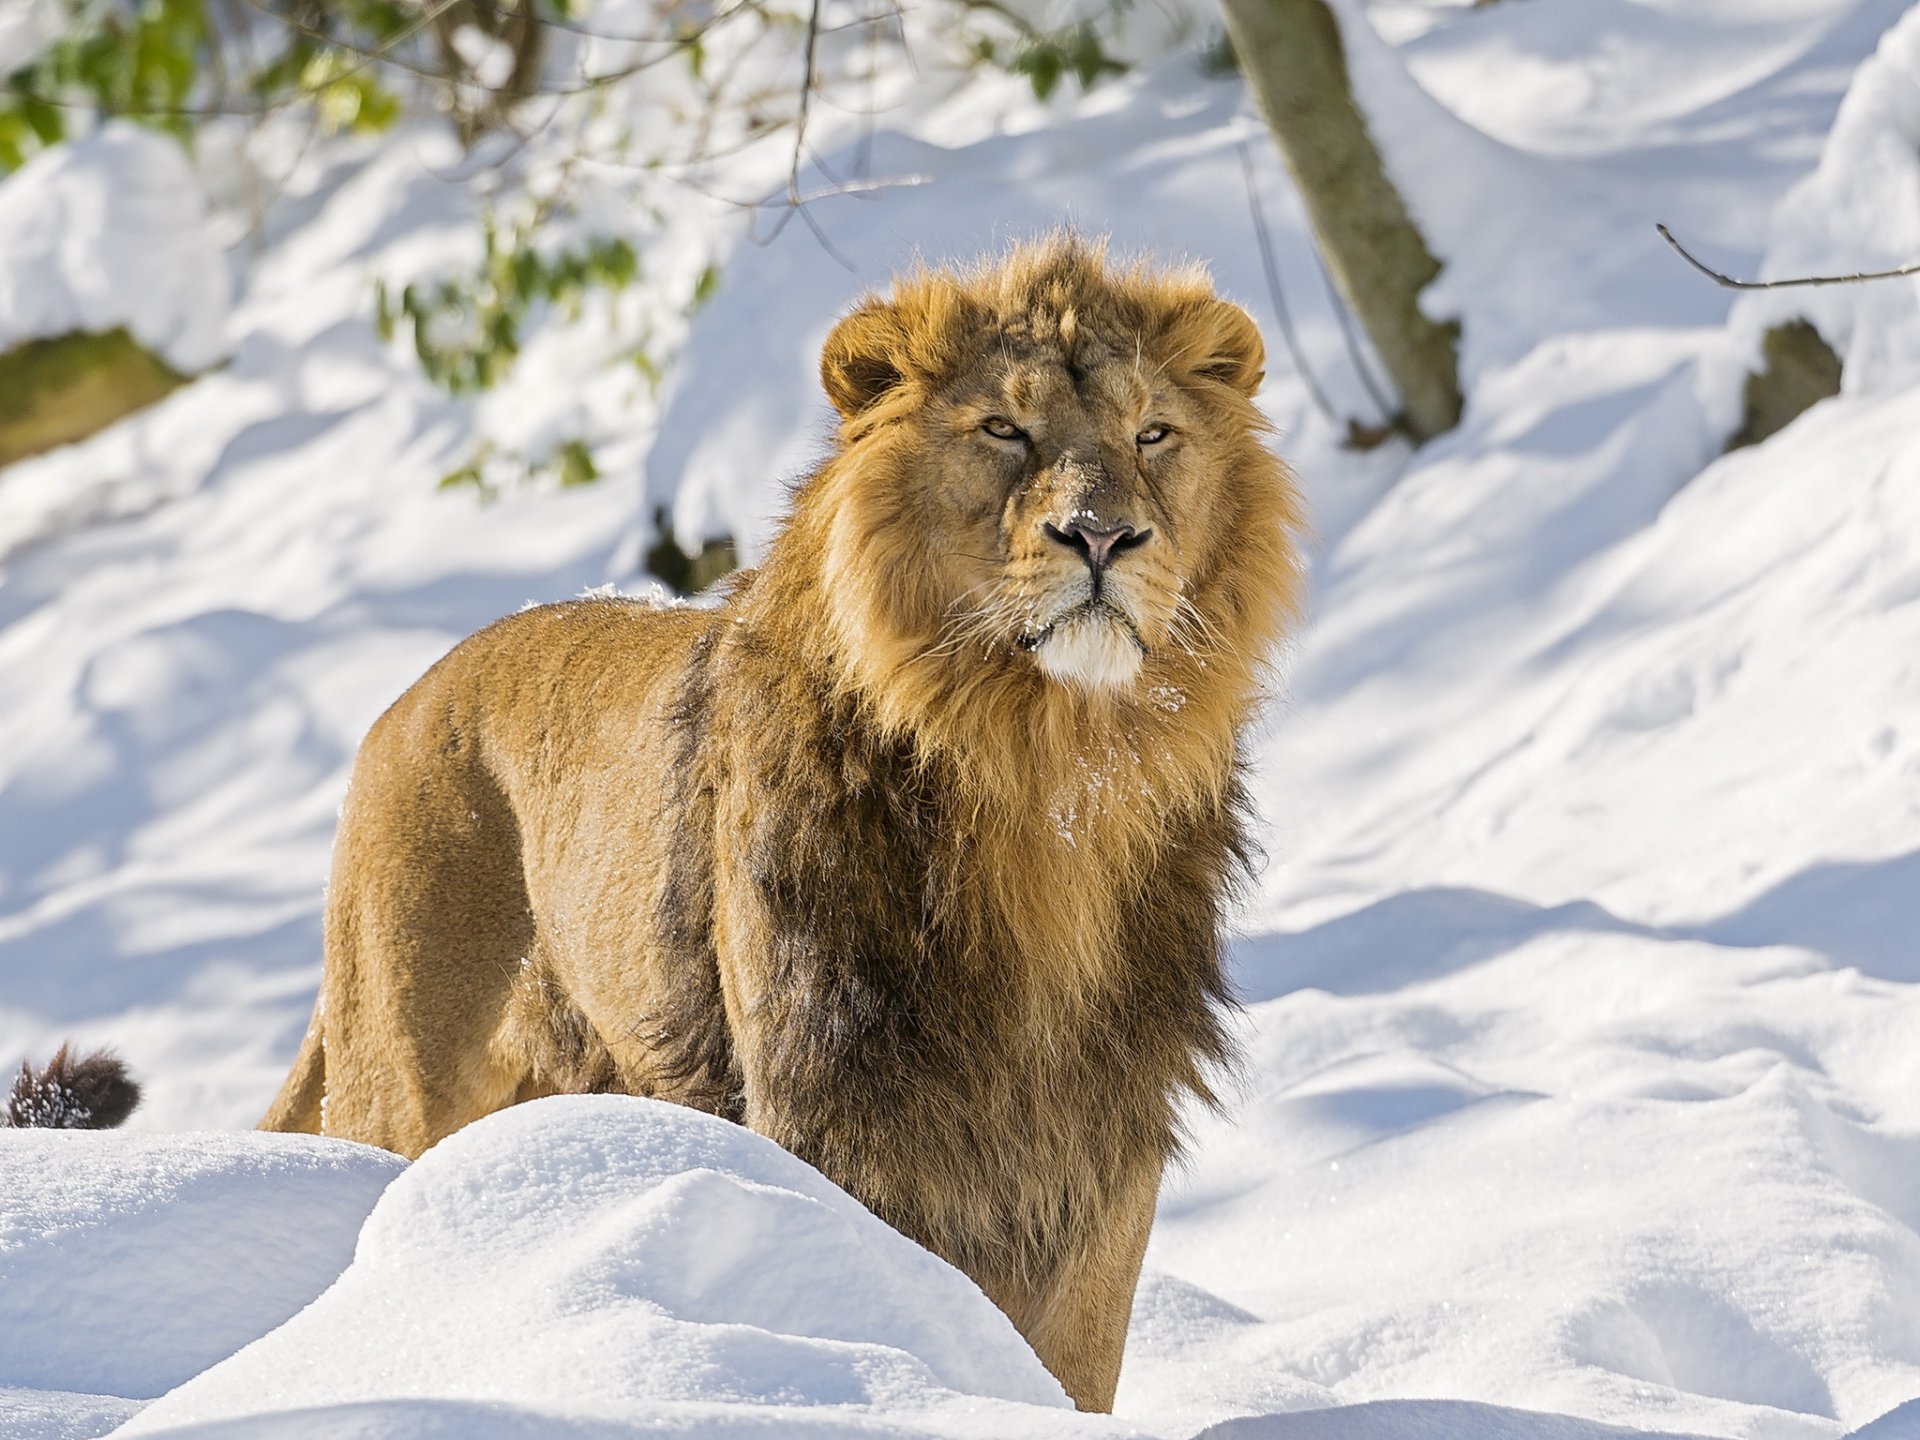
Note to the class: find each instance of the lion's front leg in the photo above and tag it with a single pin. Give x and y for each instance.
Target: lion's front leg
(1077, 1324)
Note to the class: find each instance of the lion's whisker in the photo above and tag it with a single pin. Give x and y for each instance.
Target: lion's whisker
(962, 627)
(1185, 607)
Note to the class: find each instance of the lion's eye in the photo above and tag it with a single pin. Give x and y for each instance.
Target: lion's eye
(1002, 428)
(1152, 435)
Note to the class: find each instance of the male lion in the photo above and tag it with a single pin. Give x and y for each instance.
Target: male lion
(911, 855)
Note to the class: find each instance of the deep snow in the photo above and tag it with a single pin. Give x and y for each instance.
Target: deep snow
(1583, 1025)
(600, 1256)
(129, 1263)
(112, 230)
(1858, 211)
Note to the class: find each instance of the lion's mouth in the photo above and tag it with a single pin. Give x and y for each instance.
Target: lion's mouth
(1095, 609)
(1094, 644)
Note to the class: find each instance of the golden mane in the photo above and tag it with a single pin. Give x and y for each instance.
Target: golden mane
(1066, 791)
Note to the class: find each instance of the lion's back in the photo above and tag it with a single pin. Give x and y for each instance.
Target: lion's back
(549, 692)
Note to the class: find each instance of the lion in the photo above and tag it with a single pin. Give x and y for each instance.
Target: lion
(910, 855)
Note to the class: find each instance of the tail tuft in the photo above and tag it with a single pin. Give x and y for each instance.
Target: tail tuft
(92, 1092)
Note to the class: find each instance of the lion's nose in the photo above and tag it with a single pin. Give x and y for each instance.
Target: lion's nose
(1097, 547)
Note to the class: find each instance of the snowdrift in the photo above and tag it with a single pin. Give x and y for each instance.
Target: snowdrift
(113, 231)
(130, 1263)
(585, 1266)
(1859, 210)
(594, 1258)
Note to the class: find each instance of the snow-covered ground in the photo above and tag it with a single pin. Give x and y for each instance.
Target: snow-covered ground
(112, 230)
(1582, 1085)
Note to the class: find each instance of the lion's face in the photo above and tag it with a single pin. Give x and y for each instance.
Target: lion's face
(1066, 486)
(1048, 467)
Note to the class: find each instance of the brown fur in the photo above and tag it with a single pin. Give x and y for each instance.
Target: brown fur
(72, 1092)
(840, 859)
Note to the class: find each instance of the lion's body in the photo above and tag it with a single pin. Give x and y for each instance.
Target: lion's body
(939, 918)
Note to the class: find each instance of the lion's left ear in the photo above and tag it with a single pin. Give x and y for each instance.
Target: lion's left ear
(863, 358)
(1217, 340)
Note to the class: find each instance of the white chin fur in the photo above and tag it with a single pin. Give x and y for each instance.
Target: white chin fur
(1093, 653)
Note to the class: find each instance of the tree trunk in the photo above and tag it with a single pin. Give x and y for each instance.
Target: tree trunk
(1292, 56)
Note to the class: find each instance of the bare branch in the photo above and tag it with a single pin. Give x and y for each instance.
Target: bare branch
(806, 99)
(1028, 30)
(1727, 282)
(796, 203)
(1280, 310)
(365, 57)
(383, 54)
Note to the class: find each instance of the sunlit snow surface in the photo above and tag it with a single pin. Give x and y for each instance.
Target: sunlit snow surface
(112, 231)
(1582, 1082)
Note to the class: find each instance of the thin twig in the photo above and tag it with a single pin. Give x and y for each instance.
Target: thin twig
(677, 38)
(381, 54)
(1727, 282)
(1350, 337)
(1028, 30)
(796, 203)
(855, 190)
(806, 100)
(1280, 310)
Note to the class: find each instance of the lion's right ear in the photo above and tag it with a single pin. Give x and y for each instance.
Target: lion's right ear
(863, 358)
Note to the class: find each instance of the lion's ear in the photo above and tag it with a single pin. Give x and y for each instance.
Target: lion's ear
(862, 357)
(1219, 341)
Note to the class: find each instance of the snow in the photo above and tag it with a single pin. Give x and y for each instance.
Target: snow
(1582, 1082)
(131, 1262)
(109, 231)
(1533, 248)
(1858, 211)
(602, 1256)
(26, 29)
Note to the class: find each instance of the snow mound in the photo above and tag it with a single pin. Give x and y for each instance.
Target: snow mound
(1858, 211)
(1425, 1419)
(1900, 1423)
(130, 1262)
(60, 1414)
(113, 231)
(598, 1257)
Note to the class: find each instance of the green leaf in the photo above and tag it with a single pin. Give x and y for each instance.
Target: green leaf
(467, 330)
(15, 140)
(620, 264)
(49, 126)
(1043, 64)
(576, 465)
(380, 20)
(379, 107)
(706, 287)
(525, 270)
(468, 477)
(1088, 57)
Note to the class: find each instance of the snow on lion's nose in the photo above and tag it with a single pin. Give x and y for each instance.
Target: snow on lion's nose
(1097, 547)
